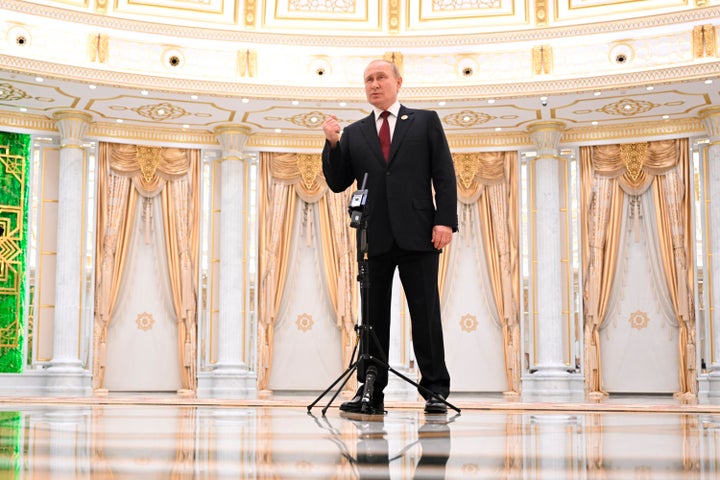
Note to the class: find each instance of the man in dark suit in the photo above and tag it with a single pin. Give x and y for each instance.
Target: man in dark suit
(406, 226)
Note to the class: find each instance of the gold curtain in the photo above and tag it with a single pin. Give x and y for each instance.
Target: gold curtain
(489, 181)
(116, 201)
(607, 173)
(149, 169)
(181, 202)
(284, 178)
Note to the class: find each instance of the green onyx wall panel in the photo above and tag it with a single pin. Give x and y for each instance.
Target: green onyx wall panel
(14, 182)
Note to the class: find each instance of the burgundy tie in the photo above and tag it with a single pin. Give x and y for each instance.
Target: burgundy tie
(385, 135)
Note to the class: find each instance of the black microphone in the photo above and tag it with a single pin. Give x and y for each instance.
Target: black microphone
(370, 375)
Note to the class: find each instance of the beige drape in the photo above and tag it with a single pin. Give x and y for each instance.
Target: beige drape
(607, 173)
(488, 180)
(285, 177)
(149, 170)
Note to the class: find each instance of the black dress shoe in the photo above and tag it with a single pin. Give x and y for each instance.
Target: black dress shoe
(433, 405)
(356, 405)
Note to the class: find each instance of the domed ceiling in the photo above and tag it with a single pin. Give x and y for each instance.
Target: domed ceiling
(171, 71)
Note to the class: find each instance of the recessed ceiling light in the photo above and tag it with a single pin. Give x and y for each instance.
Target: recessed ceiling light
(278, 130)
(466, 118)
(295, 102)
(442, 103)
(92, 87)
(313, 119)
(708, 82)
(543, 98)
(194, 97)
(498, 129)
(23, 109)
(595, 123)
(39, 79)
(666, 117)
(649, 88)
(491, 100)
(245, 100)
(144, 92)
(119, 120)
(342, 104)
(597, 94)
(186, 126)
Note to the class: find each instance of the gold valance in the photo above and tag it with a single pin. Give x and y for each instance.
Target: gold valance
(476, 170)
(149, 167)
(303, 171)
(635, 164)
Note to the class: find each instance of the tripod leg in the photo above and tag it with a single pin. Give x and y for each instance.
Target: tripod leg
(345, 375)
(383, 362)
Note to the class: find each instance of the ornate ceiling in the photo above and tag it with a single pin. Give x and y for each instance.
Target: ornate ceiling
(167, 71)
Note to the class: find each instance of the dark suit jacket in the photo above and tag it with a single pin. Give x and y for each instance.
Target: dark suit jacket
(400, 192)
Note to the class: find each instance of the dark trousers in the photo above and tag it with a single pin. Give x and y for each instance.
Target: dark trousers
(419, 277)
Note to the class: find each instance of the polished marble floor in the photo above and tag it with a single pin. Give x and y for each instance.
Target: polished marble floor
(175, 438)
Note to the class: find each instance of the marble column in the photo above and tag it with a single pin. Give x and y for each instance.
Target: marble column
(232, 376)
(710, 118)
(66, 373)
(550, 369)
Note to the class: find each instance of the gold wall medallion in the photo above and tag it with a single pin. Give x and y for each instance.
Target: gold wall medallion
(304, 322)
(468, 323)
(639, 320)
(145, 321)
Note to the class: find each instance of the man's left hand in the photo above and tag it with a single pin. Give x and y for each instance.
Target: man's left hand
(441, 236)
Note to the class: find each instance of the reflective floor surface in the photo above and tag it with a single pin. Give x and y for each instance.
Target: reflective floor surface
(152, 440)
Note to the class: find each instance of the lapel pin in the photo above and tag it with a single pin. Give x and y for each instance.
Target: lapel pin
(404, 117)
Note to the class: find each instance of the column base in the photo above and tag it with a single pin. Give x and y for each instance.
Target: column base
(77, 383)
(709, 386)
(553, 386)
(227, 383)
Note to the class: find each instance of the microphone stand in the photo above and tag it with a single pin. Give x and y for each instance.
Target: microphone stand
(364, 330)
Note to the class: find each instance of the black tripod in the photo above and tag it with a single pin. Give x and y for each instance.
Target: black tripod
(364, 330)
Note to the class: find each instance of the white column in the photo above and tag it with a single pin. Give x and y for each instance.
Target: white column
(551, 375)
(710, 118)
(66, 372)
(231, 375)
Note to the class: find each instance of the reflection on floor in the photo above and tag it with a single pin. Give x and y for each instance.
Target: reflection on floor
(146, 438)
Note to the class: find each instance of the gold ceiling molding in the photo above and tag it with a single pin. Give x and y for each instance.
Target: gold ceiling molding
(542, 59)
(39, 124)
(633, 155)
(710, 13)
(249, 13)
(98, 47)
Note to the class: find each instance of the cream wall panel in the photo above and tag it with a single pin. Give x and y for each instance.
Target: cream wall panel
(223, 12)
(592, 10)
(468, 16)
(340, 16)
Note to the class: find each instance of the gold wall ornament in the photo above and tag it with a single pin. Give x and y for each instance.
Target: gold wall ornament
(311, 119)
(638, 320)
(396, 58)
(467, 166)
(148, 159)
(304, 322)
(703, 41)
(468, 323)
(98, 46)
(628, 107)
(249, 15)
(542, 59)
(467, 118)
(394, 16)
(145, 321)
(541, 8)
(160, 111)
(309, 166)
(247, 63)
(9, 92)
(633, 156)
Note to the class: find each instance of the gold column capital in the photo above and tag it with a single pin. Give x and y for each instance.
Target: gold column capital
(232, 138)
(72, 125)
(710, 118)
(546, 137)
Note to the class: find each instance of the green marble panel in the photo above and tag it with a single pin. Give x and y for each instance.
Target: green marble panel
(14, 183)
